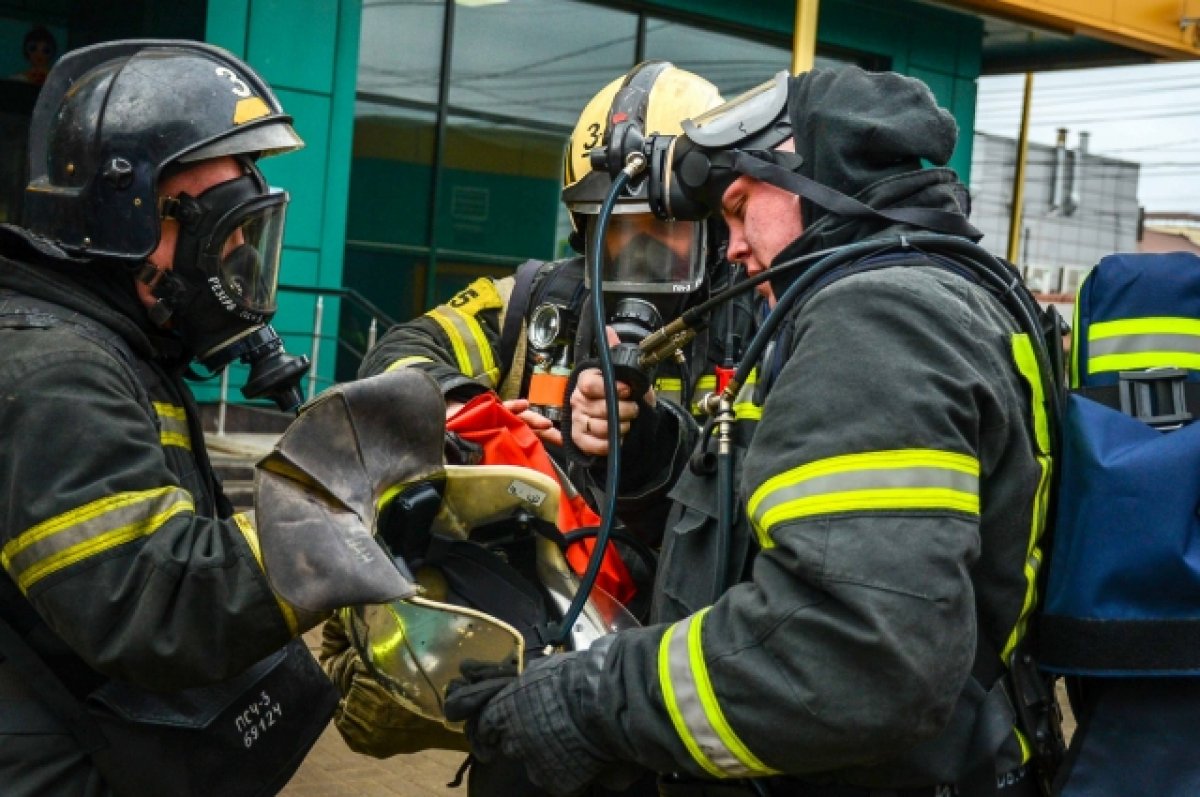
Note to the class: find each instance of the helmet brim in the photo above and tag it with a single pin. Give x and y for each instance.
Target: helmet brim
(273, 138)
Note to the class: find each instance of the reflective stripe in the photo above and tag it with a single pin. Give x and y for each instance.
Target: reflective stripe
(1137, 343)
(693, 707)
(90, 530)
(173, 429)
(907, 479)
(669, 388)
(250, 534)
(744, 407)
(471, 348)
(1026, 363)
(404, 362)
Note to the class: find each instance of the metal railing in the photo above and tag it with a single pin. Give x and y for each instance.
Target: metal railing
(350, 338)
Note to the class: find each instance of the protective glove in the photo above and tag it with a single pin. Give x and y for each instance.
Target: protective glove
(532, 719)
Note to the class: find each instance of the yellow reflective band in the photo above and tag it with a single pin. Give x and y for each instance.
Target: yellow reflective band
(744, 408)
(172, 419)
(404, 362)
(250, 534)
(471, 348)
(1027, 366)
(1131, 344)
(905, 479)
(90, 530)
(669, 387)
(693, 707)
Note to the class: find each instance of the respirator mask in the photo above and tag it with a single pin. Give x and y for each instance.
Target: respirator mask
(219, 296)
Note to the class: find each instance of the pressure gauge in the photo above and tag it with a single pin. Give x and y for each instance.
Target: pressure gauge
(545, 325)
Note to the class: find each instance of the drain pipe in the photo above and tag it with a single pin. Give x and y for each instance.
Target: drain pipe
(1058, 196)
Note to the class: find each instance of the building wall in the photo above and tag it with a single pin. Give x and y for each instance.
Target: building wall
(1058, 244)
(456, 171)
(308, 51)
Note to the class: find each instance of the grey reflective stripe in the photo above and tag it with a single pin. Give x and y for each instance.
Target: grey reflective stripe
(1135, 344)
(462, 340)
(693, 706)
(878, 479)
(90, 530)
(173, 427)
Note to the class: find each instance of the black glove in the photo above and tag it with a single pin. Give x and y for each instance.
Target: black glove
(530, 719)
(466, 697)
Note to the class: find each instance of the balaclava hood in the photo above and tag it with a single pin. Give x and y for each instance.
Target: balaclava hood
(854, 128)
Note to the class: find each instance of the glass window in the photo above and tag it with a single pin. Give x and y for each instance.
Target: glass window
(734, 64)
(400, 52)
(537, 61)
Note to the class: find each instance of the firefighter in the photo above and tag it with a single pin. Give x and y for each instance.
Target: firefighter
(884, 559)
(521, 336)
(150, 241)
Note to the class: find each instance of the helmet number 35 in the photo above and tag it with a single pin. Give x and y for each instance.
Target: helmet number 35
(239, 88)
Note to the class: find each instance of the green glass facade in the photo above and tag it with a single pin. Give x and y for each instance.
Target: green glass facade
(435, 128)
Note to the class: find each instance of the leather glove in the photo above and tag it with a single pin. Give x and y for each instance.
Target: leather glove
(531, 719)
(369, 718)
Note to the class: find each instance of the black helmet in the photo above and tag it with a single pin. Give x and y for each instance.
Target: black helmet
(110, 117)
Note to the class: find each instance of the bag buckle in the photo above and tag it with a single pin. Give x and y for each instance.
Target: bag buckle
(1155, 397)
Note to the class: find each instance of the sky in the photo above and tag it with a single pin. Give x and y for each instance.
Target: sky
(1149, 114)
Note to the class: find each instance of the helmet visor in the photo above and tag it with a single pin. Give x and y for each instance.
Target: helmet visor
(415, 648)
(645, 254)
(244, 252)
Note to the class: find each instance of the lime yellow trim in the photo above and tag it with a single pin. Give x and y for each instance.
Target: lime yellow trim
(173, 411)
(250, 534)
(1147, 325)
(869, 460)
(404, 362)
(867, 500)
(456, 340)
(712, 708)
(92, 546)
(1026, 362)
(175, 439)
(672, 704)
(1145, 359)
(1027, 366)
(486, 355)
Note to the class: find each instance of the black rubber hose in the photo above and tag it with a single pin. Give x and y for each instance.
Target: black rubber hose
(608, 512)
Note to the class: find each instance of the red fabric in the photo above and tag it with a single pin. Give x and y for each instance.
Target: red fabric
(506, 440)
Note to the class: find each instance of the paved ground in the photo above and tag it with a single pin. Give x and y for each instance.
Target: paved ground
(333, 770)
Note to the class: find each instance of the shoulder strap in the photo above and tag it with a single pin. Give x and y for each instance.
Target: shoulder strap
(516, 308)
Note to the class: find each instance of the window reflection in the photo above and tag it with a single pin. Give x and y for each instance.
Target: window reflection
(538, 61)
(400, 51)
(734, 64)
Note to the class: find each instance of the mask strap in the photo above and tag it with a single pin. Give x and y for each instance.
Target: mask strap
(943, 221)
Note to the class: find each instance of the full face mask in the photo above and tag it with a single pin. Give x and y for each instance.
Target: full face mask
(646, 255)
(219, 295)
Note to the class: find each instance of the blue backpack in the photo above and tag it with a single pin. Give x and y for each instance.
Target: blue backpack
(1121, 615)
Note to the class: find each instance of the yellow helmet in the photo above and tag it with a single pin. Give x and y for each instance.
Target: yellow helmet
(658, 96)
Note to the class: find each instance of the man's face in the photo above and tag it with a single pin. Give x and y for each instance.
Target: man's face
(193, 180)
(762, 220)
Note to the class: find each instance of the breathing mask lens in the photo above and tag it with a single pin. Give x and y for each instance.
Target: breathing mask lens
(644, 254)
(244, 252)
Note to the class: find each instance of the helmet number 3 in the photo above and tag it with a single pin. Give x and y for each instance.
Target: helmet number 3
(240, 89)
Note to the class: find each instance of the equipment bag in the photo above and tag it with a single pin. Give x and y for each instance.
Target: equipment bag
(1121, 616)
